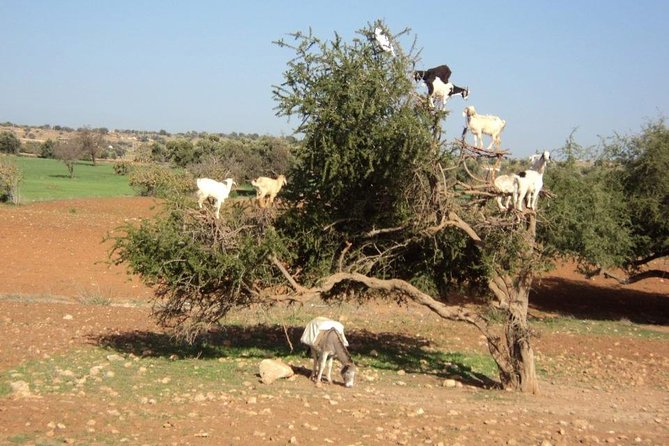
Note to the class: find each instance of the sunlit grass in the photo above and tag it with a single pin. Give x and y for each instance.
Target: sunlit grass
(47, 179)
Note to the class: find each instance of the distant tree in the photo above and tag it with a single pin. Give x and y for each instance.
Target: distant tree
(9, 142)
(69, 152)
(181, 152)
(612, 212)
(91, 142)
(46, 149)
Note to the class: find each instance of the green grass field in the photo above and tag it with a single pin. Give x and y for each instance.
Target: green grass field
(47, 179)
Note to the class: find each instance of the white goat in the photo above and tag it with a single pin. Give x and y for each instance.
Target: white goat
(383, 41)
(483, 124)
(528, 184)
(268, 187)
(207, 187)
(505, 185)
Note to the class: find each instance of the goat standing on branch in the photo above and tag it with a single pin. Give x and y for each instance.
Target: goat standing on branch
(207, 187)
(483, 124)
(528, 184)
(506, 184)
(438, 86)
(326, 341)
(269, 187)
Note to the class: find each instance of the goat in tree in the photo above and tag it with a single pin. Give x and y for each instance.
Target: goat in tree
(438, 86)
(528, 183)
(483, 124)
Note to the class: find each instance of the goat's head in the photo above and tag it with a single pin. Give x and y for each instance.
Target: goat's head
(469, 111)
(546, 155)
(282, 180)
(348, 373)
(418, 75)
(465, 94)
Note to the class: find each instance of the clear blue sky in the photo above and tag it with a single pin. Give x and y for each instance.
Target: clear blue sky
(546, 67)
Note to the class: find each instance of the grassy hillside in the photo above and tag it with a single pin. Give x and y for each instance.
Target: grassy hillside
(47, 179)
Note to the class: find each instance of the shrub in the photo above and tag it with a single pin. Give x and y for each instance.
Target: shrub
(9, 143)
(122, 168)
(10, 177)
(46, 149)
(160, 181)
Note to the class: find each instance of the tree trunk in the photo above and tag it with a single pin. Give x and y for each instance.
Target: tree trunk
(514, 354)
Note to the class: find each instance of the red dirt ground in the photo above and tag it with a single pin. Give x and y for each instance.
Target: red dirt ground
(599, 389)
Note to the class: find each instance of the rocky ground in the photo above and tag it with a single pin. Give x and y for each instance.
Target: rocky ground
(82, 363)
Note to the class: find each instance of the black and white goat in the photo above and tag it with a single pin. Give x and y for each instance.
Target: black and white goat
(438, 86)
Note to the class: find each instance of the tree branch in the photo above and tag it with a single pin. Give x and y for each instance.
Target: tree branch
(454, 313)
(633, 278)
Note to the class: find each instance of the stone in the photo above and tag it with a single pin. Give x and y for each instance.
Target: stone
(20, 389)
(273, 369)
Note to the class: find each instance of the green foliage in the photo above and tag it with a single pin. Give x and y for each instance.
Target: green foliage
(46, 149)
(181, 152)
(122, 167)
(160, 181)
(201, 267)
(367, 147)
(645, 179)
(10, 178)
(614, 211)
(587, 219)
(9, 143)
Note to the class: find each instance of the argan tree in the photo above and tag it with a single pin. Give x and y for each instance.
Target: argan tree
(69, 152)
(377, 205)
(90, 142)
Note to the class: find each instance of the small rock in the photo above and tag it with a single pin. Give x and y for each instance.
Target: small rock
(293, 440)
(112, 358)
(68, 317)
(20, 389)
(401, 372)
(449, 383)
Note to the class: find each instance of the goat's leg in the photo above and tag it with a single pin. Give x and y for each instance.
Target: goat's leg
(200, 198)
(535, 200)
(499, 203)
(478, 140)
(218, 208)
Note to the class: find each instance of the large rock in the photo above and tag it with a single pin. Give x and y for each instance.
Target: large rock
(273, 369)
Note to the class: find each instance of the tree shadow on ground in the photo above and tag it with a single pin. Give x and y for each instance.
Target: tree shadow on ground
(590, 301)
(389, 351)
